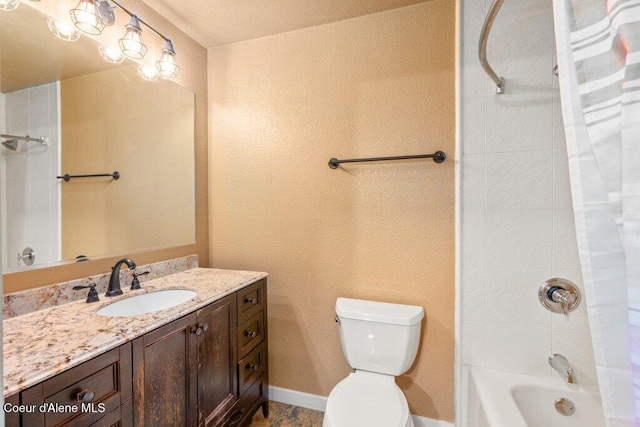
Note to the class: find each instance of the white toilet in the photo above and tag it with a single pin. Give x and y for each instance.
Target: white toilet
(380, 341)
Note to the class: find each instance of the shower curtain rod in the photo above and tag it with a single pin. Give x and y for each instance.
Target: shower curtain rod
(482, 46)
(42, 140)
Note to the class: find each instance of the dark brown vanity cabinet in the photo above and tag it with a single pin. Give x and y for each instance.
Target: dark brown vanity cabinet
(208, 368)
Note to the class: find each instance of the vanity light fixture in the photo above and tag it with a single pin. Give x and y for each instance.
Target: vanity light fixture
(132, 44)
(86, 18)
(9, 5)
(63, 30)
(148, 72)
(167, 66)
(111, 54)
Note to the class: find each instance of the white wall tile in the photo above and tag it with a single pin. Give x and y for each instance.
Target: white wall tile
(520, 180)
(561, 183)
(511, 296)
(473, 126)
(524, 16)
(473, 237)
(473, 342)
(565, 247)
(473, 187)
(519, 238)
(517, 348)
(558, 123)
(473, 296)
(576, 346)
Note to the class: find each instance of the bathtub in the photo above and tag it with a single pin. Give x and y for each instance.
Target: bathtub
(500, 399)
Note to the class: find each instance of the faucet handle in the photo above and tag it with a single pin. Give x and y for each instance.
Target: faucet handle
(92, 296)
(135, 283)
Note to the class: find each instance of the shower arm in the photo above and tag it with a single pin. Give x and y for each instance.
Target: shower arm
(482, 46)
(42, 140)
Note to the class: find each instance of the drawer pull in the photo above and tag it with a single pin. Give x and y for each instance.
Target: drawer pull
(85, 396)
(251, 334)
(251, 300)
(253, 367)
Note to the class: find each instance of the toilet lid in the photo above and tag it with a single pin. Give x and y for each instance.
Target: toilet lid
(368, 400)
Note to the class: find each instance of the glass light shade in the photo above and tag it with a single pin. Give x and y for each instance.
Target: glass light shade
(86, 19)
(9, 5)
(63, 30)
(167, 66)
(148, 72)
(132, 44)
(111, 54)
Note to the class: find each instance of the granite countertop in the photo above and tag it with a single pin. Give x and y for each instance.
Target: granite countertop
(44, 343)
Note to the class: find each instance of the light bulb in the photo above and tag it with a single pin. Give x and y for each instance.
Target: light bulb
(132, 44)
(148, 72)
(9, 5)
(63, 30)
(86, 19)
(111, 54)
(167, 66)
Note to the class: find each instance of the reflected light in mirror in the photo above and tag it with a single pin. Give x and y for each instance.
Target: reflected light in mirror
(167, 66)
(9, 5)
(63, 30)
(111, 54)
(148, 72)
(132, 44)
(86, 19)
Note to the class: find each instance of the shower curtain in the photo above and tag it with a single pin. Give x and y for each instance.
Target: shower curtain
(598, 43)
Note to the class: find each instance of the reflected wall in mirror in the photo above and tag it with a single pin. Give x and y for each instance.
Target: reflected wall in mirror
(97, 117)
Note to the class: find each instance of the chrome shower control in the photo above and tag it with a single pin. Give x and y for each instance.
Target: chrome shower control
(28, 256)
(559, 295)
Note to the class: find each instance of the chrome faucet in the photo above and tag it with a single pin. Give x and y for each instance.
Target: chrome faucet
(114, 280)
(561, 365)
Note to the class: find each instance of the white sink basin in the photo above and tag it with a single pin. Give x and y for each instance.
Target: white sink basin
(147, 303)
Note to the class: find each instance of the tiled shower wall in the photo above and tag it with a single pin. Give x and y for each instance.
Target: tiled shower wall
(31, 190)
(517, 218)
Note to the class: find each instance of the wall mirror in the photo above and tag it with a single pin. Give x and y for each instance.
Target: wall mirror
(86, 116)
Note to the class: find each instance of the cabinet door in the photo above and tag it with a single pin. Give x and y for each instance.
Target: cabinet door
(165, 375)
(216, 361)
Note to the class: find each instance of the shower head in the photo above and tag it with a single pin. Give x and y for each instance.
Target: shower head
(11, 144)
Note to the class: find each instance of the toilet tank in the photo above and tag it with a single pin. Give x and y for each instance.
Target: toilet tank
(378, 336)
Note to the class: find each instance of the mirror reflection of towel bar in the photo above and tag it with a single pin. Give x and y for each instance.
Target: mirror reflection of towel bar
(438, 157)
(67, 177)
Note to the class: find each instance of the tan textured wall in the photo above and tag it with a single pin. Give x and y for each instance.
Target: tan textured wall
(193, 60)
(280, 107)
(148, 139)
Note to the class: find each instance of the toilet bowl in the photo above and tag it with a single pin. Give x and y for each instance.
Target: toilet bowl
(380, 341)
(368, 400)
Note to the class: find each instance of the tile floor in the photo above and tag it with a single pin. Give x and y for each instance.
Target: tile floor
(281, 415)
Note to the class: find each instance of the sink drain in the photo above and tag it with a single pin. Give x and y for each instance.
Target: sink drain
(565, 406)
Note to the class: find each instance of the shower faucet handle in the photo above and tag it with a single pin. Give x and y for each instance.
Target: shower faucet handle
(559, 295)
(28, 256)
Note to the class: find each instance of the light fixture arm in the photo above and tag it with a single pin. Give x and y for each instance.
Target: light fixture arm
(130, 13)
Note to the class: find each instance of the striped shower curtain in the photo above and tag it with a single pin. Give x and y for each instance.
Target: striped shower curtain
(598, 44)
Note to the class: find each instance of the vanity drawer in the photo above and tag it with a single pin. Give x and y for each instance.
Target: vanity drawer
(250, 301)
(250, 334)
(107, 377)
(251, 368)
(245, 407)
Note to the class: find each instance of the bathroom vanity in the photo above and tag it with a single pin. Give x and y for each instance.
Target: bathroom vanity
(200, 363)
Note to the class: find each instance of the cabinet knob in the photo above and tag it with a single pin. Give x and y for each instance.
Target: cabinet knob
(205, 327)
(253, 367)
(250, 300)
(251, 334)
(85, 396)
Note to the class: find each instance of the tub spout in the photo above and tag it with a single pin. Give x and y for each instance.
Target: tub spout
(561, 365)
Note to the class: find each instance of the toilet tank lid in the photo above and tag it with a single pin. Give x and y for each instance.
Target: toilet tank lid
(382, 312)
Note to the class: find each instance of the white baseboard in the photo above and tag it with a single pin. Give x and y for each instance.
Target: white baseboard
(319, 403)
